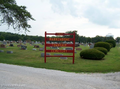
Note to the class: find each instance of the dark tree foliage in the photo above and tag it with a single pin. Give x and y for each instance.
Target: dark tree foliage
(14, 15)
(71, 36)
(118, 39)
(16, 37)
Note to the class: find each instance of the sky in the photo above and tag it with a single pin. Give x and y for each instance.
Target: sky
(88, 17)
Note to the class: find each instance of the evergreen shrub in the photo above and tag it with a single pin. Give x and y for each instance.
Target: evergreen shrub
(112, 41)
(103, 44)
(92, 54)
(104, 50)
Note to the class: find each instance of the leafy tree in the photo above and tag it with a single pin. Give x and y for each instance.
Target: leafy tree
(118, 39)
(14, 15)
(89, 40)
(2, 38)
(82, 39)
(71, 36)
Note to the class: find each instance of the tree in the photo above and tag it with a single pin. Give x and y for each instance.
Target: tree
(71, 36)
(14, 15)
(2, 38)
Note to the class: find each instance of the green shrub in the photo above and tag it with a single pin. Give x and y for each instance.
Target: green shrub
(104, 50)
(111, 45)
(103, 44)
(112, 41)
(92, 54)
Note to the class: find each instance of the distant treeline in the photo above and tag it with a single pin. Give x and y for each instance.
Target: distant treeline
(15, 37)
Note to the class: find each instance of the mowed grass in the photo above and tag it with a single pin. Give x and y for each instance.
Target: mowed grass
(110, 63)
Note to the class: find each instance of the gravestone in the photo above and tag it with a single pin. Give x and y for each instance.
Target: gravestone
(41, 49)
(63, 57)
(54, 47)
(91, 46)
(42, 54)
(43, 43)
(1, 51)
(78, 48)
(68, 48)
(23, 47)
(85, 44)
(18, 45)
(48, 42)
(10, 52)
(77, 44)
(34, 49)
(36, 42)
(2, 46)
(11, 45)
(58, 54)
(4, 42)
(36, 46)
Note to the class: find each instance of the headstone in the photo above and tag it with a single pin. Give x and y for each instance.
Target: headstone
(54, 47)
(36, 46)
(91, 46)
(4, 42)
(41, 49)
(77, 44)
(68, 48)
(1, 51)
(18, 45)
(42, 54)
(23, 47)
(75, 52)
(11, 45)
(2, 46)
(85, 44)
(78, 48)
(10, 52)
(48, 42)
(43, 43)
(63, 57)
(36, 42)
(58, 54)
(34, 49)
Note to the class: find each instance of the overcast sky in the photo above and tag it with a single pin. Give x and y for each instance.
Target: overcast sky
(88, 17)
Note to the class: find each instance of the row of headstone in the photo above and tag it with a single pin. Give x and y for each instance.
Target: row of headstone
(2, 46)
(7, 51)
(43, 54)
(41, 49)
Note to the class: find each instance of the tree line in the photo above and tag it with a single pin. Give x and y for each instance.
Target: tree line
(81, 39)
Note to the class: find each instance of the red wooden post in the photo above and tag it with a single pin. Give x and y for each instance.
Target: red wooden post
(45, 48)
(73, 47)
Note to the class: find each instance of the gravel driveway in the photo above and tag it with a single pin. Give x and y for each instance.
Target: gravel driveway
(21, 77)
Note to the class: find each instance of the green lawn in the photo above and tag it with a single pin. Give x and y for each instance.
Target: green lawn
(111, 62)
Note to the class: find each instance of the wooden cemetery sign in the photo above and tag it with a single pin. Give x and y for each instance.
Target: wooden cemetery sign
(59, 45)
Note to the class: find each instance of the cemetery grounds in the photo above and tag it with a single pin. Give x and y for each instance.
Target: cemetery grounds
(32, 58)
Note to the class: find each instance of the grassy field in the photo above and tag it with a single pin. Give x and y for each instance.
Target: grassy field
(111, 62)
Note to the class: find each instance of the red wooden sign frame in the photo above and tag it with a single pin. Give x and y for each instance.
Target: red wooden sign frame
(59, 45)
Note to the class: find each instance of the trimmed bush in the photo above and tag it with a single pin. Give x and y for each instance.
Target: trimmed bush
(92, 54)
(112, 41)
(103, 44)
(111, 45)
(104, 50)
